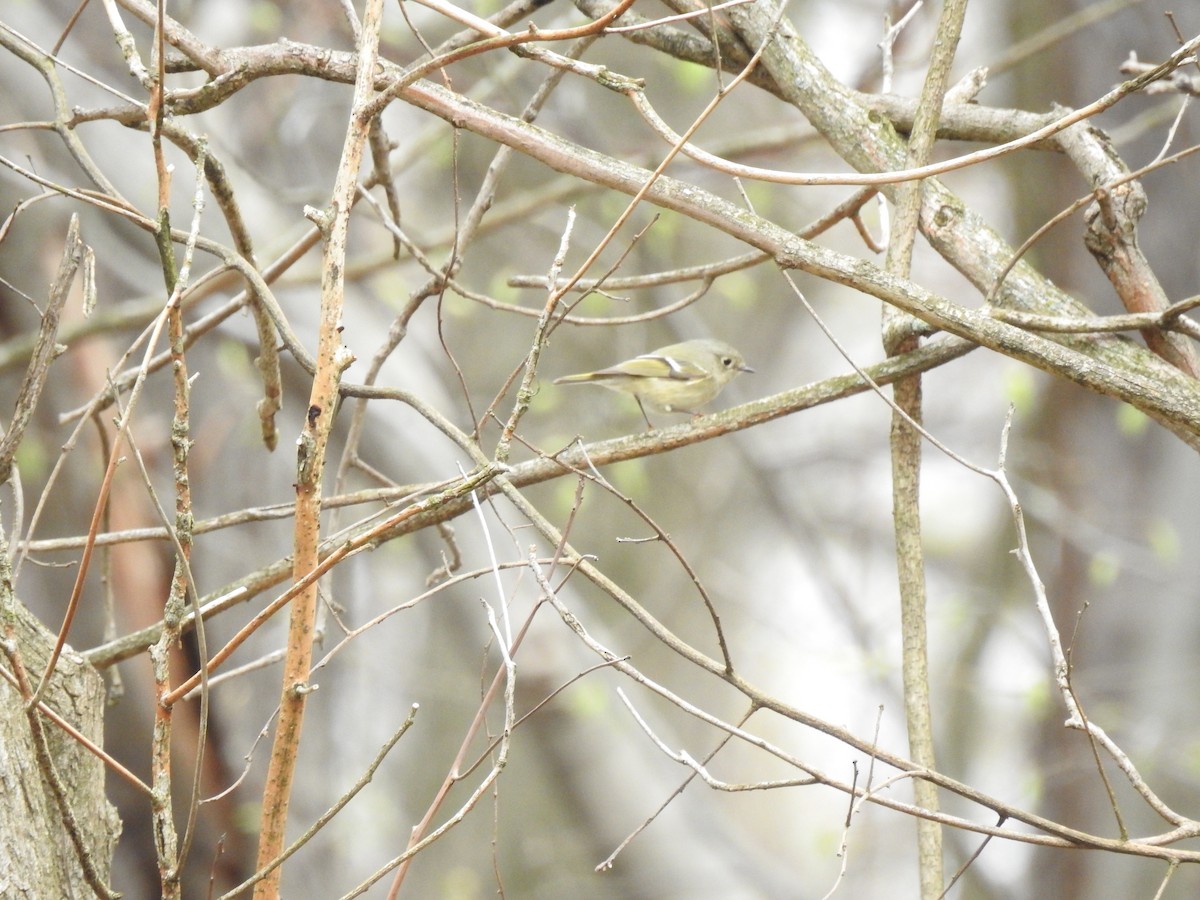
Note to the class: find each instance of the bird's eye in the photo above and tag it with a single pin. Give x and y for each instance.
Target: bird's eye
(727, 361)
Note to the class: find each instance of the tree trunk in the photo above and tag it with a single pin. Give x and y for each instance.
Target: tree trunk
(38, 856)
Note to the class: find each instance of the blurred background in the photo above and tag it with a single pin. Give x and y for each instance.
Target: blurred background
(787, 525)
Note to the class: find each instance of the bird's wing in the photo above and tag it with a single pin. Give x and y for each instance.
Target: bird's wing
(651, 365)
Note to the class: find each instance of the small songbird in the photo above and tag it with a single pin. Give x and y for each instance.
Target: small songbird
(678, 378)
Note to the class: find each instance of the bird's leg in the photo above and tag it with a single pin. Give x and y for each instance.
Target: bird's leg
(649, 427)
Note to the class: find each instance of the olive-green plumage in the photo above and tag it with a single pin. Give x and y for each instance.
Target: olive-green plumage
(678, 378)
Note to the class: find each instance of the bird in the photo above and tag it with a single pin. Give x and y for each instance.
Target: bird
(676, 378)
